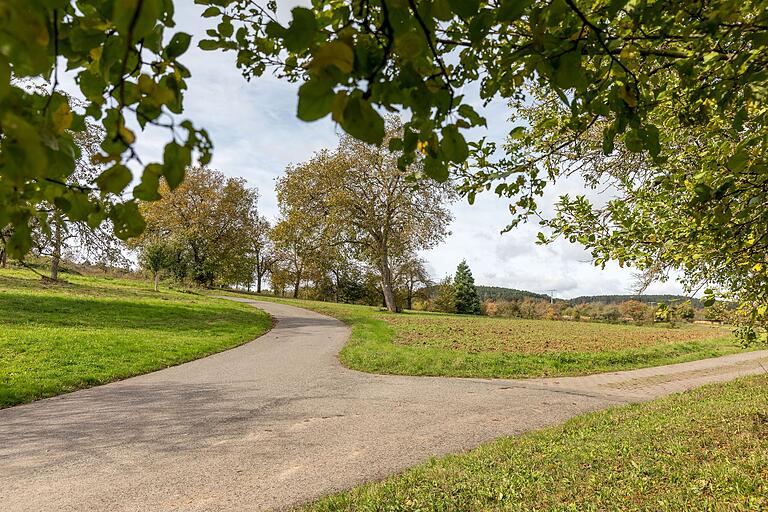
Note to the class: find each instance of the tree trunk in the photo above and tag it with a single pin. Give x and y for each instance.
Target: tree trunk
(386, 284)
(409, 301)
(258, 283)
(156, 279)
(3, 258)
(296, 289)
(56, 256)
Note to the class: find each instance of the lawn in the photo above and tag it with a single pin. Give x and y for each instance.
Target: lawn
(415, 343)
(59, 337)
(706, 449)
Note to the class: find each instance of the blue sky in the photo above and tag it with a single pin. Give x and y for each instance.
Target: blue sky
(256, 134)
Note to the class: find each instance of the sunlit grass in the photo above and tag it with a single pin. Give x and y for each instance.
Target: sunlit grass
(59, 337)
(426, 344)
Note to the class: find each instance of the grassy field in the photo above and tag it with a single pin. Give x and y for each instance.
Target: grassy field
(58, 337)
(702, 450)
(434, 344)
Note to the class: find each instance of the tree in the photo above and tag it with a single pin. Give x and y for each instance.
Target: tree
(209, 219)
(358, 196)
(691, 208)
(127, 70)
(5, 234)
(262, 250)
(54, 231)
(445, 297)
(156, 257)
(635, 310)
(679, 92)
(297, 243)
(466, 300)
(412, 272)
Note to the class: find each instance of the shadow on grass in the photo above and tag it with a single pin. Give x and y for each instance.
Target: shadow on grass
(18, 309)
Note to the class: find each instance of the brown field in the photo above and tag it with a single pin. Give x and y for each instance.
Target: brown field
(484, 334)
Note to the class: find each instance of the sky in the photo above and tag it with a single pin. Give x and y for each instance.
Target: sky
(256, 135)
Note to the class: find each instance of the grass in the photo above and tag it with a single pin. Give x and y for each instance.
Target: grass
(706, 449)
(59, 337)
(415, 343)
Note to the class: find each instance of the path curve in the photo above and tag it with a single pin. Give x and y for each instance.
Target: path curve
(278, 421)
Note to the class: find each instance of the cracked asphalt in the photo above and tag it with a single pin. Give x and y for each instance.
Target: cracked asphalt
(278, 421)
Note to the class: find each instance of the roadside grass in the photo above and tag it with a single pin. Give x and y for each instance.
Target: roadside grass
(415, 343)
(59, 337)
(705, 449)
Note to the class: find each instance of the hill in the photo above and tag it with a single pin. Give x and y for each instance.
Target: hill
(501, 293)
(647, 299)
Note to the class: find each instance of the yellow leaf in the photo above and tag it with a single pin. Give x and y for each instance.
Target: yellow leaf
(61, 118)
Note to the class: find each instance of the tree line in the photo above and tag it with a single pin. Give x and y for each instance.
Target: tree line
(350, 227)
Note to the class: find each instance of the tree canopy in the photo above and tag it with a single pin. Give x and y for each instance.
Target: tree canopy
(127, 70)
(357, 196)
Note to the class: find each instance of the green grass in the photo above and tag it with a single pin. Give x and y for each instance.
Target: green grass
(414, 343)
(59, 337)
(702, 450)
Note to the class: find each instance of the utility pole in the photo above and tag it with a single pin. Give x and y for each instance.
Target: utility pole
(552, 296)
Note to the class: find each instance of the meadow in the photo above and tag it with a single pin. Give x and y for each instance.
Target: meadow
(416, 343)
(57, 337)
(705, 449)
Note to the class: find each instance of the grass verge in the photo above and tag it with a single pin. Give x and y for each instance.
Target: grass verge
(59, 337)
(706, 449)
(383, 342)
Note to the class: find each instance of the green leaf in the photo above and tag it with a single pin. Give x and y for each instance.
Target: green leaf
(114, 180)
(127, 220)
(511, 10)
(136, 18)
(334, 53)
(435, 169)
(464, 8)
(211, 12)
(225, 28)
(453, 145)
(178, 45)
(738, 161)
(651, 139)
(302, 30)
(469, 113)
(5, 76)
(518, 132)
(176, 158)
(362, 121)
(608, 145)
(568, 73)
(147, 190)
(20, 242)
(634, 141)
(703, 192)
(208, 44)
(315, 100)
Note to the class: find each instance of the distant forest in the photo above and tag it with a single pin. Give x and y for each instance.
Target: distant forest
(647, 299)
(501, 293)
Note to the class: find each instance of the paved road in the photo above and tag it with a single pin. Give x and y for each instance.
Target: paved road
(278, 421)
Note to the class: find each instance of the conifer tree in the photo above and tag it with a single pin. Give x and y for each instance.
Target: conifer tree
(466, 299)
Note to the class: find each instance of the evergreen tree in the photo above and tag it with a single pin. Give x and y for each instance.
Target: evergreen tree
(466, 299)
